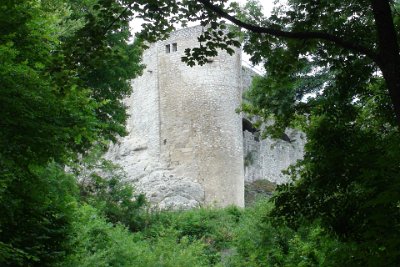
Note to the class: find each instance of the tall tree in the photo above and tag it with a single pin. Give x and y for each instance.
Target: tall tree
(64, 69)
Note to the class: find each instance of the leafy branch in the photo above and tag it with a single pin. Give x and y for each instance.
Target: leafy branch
(321, 35)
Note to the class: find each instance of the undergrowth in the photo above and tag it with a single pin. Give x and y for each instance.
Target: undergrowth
(200, 237)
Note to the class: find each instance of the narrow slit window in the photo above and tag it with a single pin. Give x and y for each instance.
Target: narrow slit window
(174, 47)
(167, 49)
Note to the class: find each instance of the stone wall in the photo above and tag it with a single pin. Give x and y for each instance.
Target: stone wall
(199, 127)
(185, 146)
(265, 159)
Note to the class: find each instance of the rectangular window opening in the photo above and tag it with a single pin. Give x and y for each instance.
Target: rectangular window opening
(174, 47)
(167, 49)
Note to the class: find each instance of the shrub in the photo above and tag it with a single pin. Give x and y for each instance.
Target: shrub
(100, 243)
(259, 241)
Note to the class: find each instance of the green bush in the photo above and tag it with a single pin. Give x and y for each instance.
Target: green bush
(203, 237)
(115, 199)
(100, 243)
(213, 227)
(102, 184)
(258, 241)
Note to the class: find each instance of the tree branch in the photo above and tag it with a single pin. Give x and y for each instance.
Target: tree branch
(117, 18)
(358, 49)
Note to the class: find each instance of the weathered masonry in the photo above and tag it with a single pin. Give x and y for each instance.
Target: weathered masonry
(185, 146)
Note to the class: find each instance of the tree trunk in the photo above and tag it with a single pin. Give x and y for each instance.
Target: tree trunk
(388, 55)
(391, 73)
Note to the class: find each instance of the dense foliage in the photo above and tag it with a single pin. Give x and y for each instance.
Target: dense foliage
(63, 75)
(203, 237)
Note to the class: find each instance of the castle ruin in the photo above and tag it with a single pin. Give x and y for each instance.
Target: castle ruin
(186, 145)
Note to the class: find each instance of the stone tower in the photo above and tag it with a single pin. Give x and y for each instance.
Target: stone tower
(185, 142)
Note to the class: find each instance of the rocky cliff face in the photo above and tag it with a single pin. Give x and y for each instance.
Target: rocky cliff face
(150, 175)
